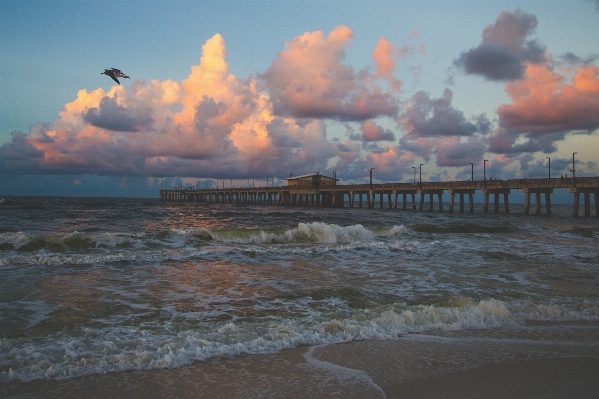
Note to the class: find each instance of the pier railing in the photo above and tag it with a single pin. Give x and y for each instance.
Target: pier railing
(335, 196)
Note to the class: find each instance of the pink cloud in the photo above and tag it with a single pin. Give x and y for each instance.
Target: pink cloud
(308, 79)
(542, 102)
(373, 132)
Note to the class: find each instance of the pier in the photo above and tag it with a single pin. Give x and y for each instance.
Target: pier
(322, 191)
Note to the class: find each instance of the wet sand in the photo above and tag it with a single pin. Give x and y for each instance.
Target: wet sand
(408, 367)
(539, 378)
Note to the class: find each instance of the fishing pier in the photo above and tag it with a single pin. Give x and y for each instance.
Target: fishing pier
(322, 191)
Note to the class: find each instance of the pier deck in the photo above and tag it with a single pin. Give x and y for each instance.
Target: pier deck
(338, 195)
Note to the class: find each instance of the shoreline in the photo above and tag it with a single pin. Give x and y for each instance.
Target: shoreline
(418, 366)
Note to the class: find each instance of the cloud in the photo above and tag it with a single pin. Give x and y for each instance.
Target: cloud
(573, 59)
(309, 80)
(543, 103)
(109, 115)
(504, 51)
(426, 117)
(373, 132)
(454, 152)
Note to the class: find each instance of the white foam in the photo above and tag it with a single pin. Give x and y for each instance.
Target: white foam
(118, 349)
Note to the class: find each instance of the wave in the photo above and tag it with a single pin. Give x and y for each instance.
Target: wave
(304, 233)
(135, 348)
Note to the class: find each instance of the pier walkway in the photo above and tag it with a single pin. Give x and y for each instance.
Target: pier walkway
(366, 195)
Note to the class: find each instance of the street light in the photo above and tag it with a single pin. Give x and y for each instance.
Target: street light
(420, 181)
(267, 177)
(549, 167)
(413, 167)
(335, 175)
(471, 164)
(485, 171)
(371, 169)
(573, 169)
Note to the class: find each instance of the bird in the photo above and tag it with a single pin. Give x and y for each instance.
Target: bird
(114, 74)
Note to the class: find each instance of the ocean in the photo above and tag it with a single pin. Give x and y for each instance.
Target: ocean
(240, 295)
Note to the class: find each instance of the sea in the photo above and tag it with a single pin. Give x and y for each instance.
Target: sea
(102, 286)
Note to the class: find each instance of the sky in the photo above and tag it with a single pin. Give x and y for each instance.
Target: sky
(234, 92)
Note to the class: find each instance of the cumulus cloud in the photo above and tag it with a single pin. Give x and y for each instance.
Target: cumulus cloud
(454, 152)
(543, 103)
(309, 80)
(210, 124)
(427, 117)
(504, 51)
(110, 115)
(373, 132)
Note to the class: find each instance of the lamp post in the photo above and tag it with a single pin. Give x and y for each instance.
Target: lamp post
(267, 177)
(371, 169)
(472, 165)
(335, 175)
(485, 171)
(573, 169)
(549, 167)
(413, 167)
(420, 179)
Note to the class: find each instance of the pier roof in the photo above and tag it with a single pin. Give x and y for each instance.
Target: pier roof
(310, 176)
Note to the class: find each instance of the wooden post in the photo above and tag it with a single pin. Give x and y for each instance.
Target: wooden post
(440, 198)
(527, 203)
(587, 204)
(486, 204)
(451, 200)
(548, 202)
(576, 203)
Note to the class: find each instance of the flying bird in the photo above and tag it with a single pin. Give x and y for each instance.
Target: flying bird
(114, 74)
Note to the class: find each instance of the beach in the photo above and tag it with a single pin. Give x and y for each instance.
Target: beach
(433, 367)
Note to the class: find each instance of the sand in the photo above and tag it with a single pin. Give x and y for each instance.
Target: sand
(407, 367)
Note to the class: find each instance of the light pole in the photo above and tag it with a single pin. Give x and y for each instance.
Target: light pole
(573, 169)
(267, 177)
(472, 165)
(485, 171)
(420, 180)
(549, 167)
(335, 175)
(413, 167)
(371, 169)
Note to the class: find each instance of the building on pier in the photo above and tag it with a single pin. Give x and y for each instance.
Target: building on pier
(308, 181)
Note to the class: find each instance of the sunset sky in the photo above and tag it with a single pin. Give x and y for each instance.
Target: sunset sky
(240, 90)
